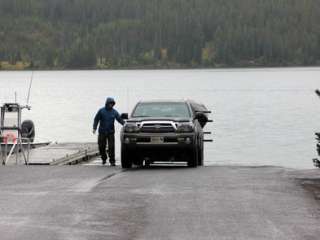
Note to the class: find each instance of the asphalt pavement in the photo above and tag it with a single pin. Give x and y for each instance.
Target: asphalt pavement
(99, 202)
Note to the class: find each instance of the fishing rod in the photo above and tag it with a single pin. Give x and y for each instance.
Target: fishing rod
(29, 91)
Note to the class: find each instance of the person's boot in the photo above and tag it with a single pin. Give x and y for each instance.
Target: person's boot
(112, 163)
(104, 161)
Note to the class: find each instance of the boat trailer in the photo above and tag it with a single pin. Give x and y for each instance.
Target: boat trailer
(15, 136)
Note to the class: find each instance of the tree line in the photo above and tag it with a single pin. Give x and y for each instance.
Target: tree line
(159, 33)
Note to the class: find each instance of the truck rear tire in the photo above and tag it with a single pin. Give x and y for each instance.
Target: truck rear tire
(126, 162)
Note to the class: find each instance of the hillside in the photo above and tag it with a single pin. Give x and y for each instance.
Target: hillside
(65, 34)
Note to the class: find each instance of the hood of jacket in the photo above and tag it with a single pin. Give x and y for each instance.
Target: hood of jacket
(110, 100)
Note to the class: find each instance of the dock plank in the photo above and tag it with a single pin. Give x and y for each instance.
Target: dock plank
(60, 153)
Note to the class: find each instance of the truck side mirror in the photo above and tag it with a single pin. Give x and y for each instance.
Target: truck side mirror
(124, 116)
(202, 118)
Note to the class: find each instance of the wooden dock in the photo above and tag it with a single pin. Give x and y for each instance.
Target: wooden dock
(63, 154)
(60, 154)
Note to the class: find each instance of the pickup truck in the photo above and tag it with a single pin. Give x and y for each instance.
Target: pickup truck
(164, 131)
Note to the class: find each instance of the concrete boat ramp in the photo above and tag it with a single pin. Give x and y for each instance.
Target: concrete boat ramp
(214, 202)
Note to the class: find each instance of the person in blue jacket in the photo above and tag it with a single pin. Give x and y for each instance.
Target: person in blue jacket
(105, 118)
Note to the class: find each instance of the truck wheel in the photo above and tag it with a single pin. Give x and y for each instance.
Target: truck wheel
(126, 162)
(136, 160)
(193, 158)
(200, 154)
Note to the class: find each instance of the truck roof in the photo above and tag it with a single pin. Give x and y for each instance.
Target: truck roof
(162, 100)
(196, 106)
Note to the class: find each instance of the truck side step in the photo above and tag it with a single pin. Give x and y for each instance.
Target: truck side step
(207, 140)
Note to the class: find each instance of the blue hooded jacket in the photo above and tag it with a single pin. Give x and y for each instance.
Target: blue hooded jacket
(105, 118)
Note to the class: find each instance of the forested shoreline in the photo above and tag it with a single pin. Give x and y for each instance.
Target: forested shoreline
(108, 34)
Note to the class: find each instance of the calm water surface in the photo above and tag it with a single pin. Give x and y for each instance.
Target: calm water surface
(261, 116)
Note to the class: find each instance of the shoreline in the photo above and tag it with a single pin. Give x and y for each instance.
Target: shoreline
(162, 69)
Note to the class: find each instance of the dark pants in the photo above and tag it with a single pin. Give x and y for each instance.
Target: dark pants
(103, 139)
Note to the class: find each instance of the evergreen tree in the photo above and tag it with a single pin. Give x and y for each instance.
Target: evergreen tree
(126, 33)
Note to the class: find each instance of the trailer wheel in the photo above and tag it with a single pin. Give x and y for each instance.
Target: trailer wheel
(126, 162)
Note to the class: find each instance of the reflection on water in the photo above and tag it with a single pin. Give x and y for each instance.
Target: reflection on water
(261, 116)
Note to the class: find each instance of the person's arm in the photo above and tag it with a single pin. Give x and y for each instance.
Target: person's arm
(96, 121)
(119, 119)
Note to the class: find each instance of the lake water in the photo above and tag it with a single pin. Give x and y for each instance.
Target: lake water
(261, 116)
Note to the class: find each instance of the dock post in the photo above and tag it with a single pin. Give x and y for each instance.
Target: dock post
(2, 151)
(5, 153)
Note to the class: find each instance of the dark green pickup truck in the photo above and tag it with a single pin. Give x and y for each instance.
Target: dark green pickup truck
(164, 131)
